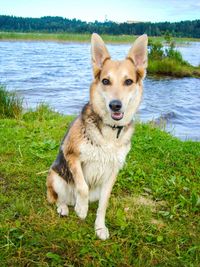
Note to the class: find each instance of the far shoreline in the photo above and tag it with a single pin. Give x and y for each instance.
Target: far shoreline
(81, 38)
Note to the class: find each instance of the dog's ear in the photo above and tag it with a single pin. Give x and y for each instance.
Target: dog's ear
(138, 54)
(99, 53)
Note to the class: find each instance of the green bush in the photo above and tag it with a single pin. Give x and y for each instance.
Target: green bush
(172, 53)
(156, 51)
(10, 104)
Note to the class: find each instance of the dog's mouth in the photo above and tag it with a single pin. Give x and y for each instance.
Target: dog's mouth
(117, 115)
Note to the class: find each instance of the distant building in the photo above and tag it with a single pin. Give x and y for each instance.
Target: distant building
(136, 21)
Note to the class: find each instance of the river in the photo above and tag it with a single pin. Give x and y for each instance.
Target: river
(60, 74)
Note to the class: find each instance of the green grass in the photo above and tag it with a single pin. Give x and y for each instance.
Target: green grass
(153, 216)
(10, 104)
(73, 37)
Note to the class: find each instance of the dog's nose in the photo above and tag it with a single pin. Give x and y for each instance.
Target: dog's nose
(115, 105)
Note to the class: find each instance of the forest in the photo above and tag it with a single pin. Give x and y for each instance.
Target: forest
(63, 25)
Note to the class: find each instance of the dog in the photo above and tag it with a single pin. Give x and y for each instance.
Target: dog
(97, 142)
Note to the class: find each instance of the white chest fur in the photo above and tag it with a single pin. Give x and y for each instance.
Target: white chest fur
(103, 159)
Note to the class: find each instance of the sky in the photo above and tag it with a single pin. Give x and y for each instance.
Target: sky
(115, 10)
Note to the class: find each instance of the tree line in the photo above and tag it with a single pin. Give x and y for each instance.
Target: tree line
(64, 25)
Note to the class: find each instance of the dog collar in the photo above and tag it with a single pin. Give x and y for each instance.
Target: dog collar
(119, 129)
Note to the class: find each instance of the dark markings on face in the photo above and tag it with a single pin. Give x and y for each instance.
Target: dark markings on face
(88, 116)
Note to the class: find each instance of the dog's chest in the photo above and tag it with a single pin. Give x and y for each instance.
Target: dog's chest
(105, 154)
(99, 161)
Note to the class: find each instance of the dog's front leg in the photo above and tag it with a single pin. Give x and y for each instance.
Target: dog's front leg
(100, 227)
(81, 188)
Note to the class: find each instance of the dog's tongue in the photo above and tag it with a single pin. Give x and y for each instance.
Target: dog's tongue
(117, 115)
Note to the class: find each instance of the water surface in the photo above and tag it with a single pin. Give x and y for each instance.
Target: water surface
(60, 75)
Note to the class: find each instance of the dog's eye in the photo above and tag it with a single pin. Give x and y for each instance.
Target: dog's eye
(128, 82)
(106, 82)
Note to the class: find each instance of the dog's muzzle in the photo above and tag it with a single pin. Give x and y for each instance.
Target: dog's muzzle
(115, 107)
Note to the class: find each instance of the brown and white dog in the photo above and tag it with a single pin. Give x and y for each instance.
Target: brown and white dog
(97, 142)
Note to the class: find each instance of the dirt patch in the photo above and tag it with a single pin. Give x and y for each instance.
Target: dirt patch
(145, 201)
(3, 183)
(159, 223)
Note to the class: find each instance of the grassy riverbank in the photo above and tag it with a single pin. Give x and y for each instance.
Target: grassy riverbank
(153, 214)
(67, 37)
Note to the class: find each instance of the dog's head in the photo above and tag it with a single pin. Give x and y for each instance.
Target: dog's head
(117, 87)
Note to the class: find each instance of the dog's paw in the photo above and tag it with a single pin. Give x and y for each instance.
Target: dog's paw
(81, 210)
(63, 210)
(102, 233)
